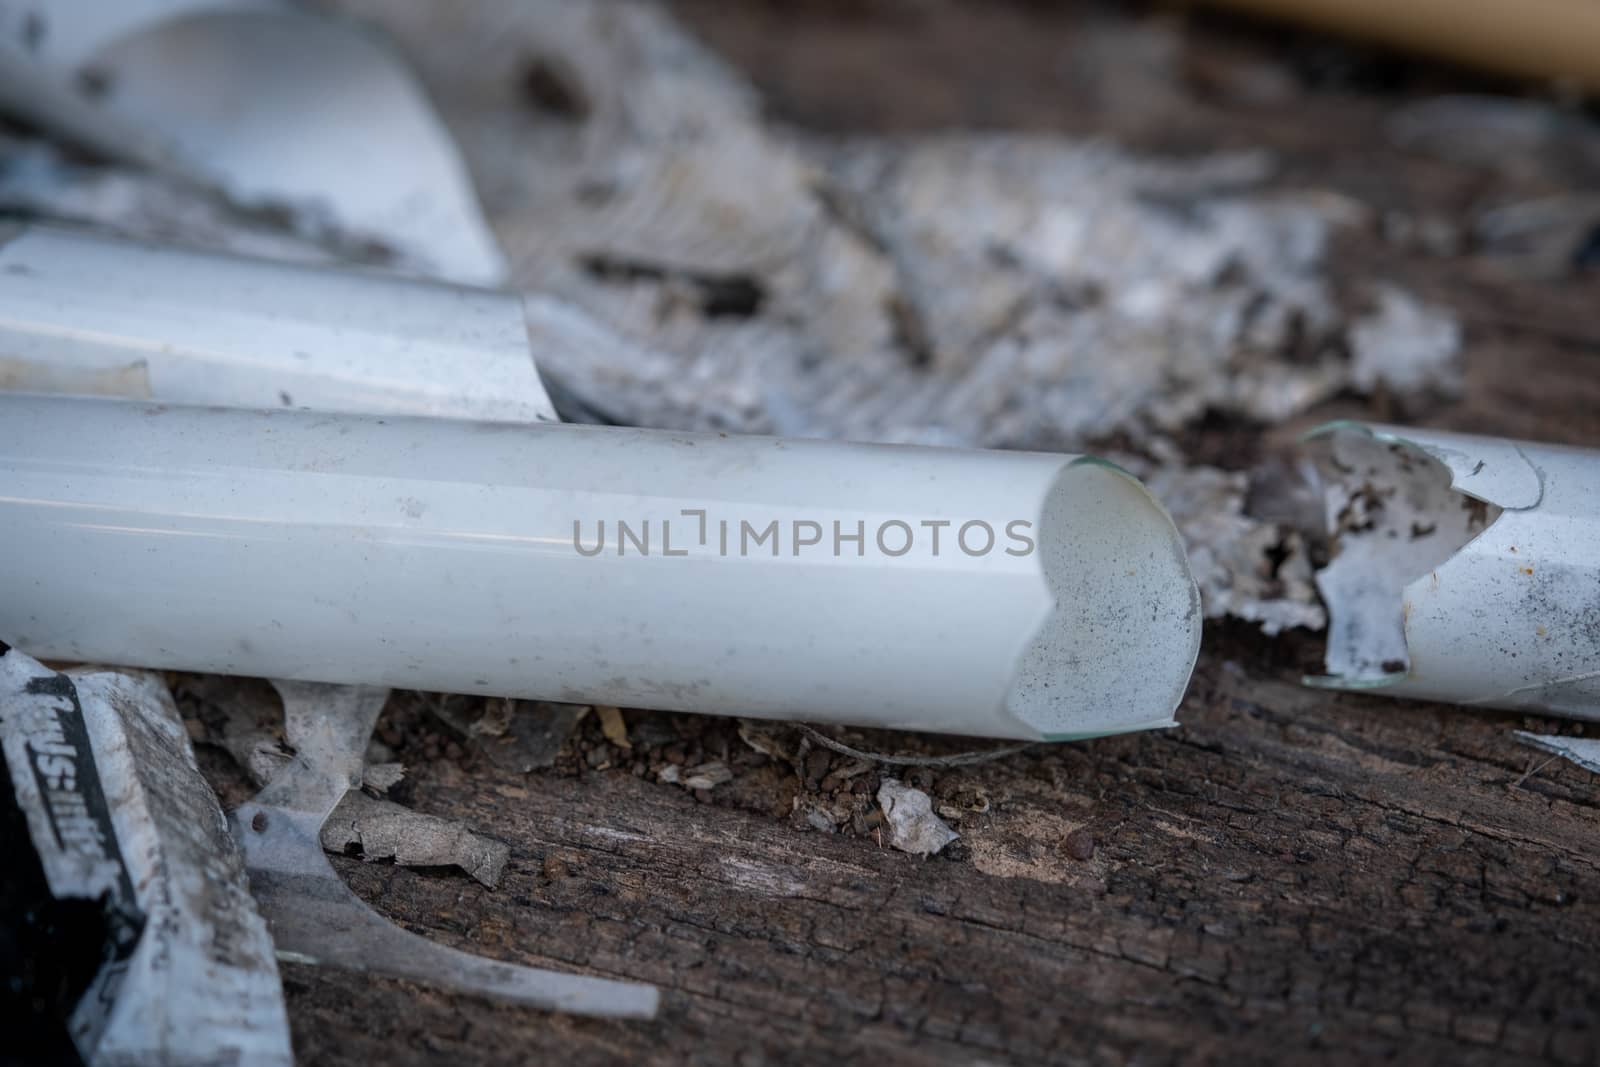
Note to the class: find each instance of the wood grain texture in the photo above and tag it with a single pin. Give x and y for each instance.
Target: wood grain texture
(1286, 875)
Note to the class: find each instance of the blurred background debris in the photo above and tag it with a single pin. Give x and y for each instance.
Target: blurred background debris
(274, 107)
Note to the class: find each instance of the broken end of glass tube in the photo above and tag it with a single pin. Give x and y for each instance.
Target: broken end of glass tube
(1463, 568)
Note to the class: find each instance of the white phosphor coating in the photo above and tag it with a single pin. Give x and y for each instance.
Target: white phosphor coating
(1465, 568)
(459, 556)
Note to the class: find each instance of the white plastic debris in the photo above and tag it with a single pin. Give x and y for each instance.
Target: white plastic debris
(1405, 346)
(1584, 751)
(380, 829)
(975, 289)
(45, 182)
(361, 824)
(1056, 603)
(90, 315)
(707, 775)
(277, 107)
(116, 808)
(913, 827)
(1464, 569)
(1248, 567)
(997, 291)
(314, 916)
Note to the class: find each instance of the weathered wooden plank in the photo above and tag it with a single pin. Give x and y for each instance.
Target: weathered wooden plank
(1287, 872)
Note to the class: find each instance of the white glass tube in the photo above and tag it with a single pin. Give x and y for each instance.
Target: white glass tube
(1470, 572)
(96, 316)
(740, 576)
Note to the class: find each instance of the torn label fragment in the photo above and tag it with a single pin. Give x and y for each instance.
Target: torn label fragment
(1464, 569)
(95, 316)
(117, 810)
(1015, 594)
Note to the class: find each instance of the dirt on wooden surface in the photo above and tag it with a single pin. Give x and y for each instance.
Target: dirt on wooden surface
(1288, 876)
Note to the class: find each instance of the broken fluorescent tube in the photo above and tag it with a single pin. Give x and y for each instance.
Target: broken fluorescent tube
(1464, 569)
(277, 106)
(1001, 594)
(91, 315)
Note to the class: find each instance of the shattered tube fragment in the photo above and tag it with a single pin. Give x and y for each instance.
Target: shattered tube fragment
(95, 316)
(1464, 569)
(1000, 594)
(278, 107)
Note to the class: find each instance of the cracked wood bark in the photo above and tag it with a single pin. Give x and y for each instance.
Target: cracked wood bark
(1287, 874)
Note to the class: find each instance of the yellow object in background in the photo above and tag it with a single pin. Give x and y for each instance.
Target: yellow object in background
(1548, 39)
